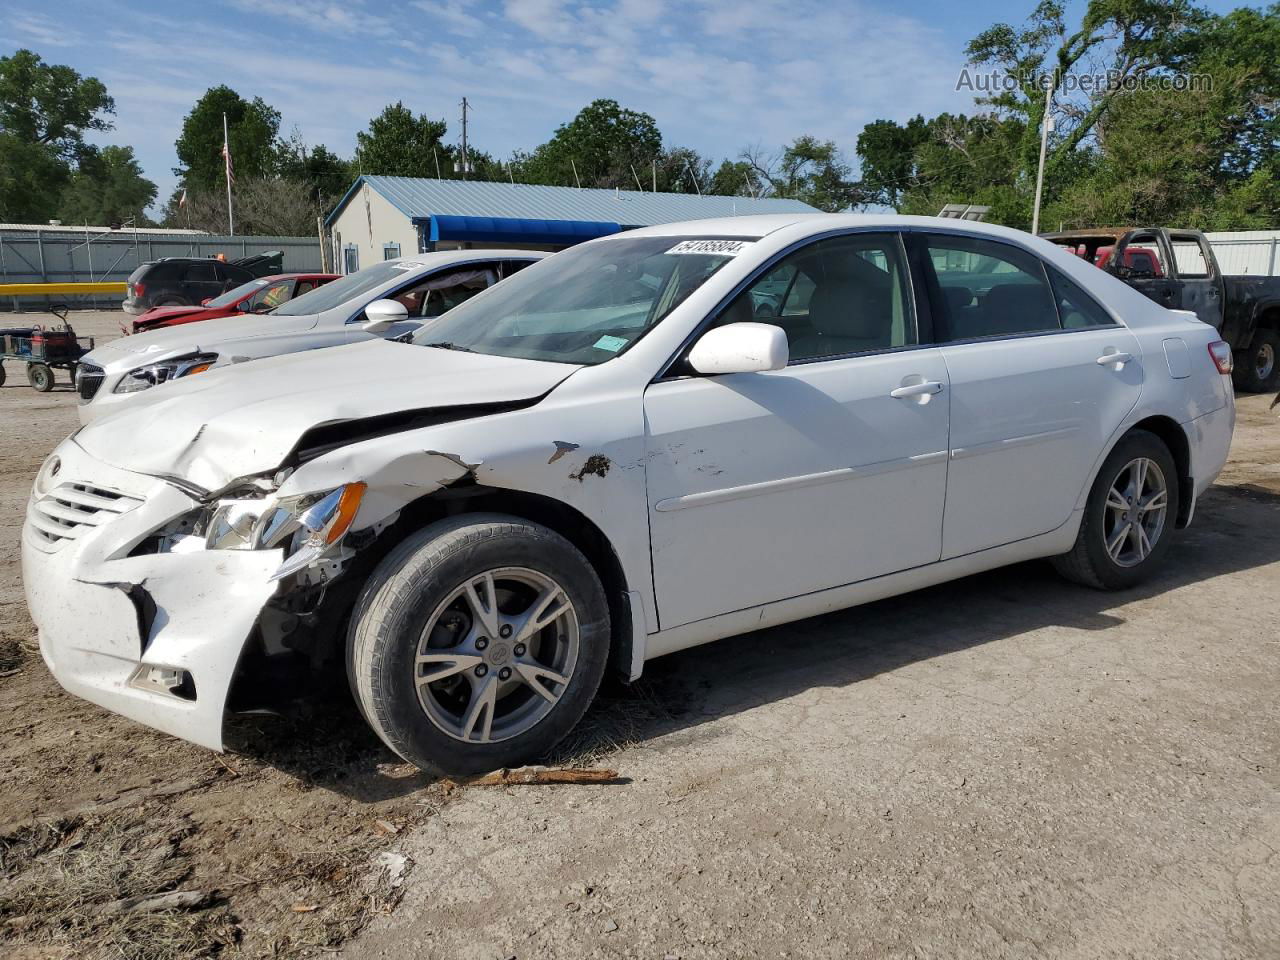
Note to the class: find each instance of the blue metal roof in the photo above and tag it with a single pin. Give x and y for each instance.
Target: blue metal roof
(420, 198)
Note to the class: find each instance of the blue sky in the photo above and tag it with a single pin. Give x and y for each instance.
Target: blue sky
(717, 75)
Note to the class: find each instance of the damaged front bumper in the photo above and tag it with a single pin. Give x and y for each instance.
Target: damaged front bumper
(155, 637)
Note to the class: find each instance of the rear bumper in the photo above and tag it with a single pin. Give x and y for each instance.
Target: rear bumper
(106, 619)
(1210, 442)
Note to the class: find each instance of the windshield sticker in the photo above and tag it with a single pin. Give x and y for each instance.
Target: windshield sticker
(612, 344)
(722, 248)
(407, 265)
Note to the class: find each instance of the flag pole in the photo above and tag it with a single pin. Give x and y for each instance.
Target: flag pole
(226, 157)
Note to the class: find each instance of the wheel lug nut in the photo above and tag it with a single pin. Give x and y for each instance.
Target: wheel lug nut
(519, 651)
(481, 670)
(504, 673)
(505, 631)
(481, 643)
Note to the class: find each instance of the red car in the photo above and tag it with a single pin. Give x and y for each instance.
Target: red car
(257, 296)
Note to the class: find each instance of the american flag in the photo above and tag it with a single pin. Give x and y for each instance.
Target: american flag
(226, 156)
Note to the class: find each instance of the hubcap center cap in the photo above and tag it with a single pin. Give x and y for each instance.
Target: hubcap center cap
(498, 654)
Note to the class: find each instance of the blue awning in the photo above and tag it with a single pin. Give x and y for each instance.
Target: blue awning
(512, 230)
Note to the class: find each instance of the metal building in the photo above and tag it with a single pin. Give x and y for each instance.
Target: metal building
(381, 218)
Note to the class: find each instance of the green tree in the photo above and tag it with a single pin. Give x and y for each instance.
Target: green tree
(735, 178)
(108, 188)
(323, 174)
(252, 126)
(677, 170)
(597, 148)
(887, 153)
(45, 111)
(810, 170)
(1126, 39)
(50, 104)
(400, 144)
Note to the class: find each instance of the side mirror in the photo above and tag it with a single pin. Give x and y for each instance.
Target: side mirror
(382, 314)
(745, 347)
(243, 306)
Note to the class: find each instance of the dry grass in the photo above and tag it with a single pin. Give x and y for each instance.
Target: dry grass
(56, 879)
(619, 717)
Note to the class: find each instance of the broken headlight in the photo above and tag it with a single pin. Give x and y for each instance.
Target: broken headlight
(144, 378)
(305, 526)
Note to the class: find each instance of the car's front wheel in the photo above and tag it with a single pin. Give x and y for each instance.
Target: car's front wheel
(1128, 518)
(478, 643)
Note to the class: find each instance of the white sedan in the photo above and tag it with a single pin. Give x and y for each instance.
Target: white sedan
(388, 299)
(609, 458)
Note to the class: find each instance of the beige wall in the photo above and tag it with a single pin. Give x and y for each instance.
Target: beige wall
(368, 221)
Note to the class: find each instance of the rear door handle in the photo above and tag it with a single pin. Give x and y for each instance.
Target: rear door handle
(916, 389)
(1116, 357)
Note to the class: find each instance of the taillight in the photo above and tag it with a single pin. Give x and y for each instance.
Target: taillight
(138, 290)
(1220, 354)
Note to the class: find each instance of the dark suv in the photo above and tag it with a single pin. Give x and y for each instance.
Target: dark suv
(189, 281)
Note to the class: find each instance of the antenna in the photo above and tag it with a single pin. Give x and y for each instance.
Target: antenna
(637, 176)
(575, 173)
(465, 166)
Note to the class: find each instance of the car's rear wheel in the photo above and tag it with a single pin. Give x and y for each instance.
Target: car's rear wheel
(1259, 369)
(478, 643)
(1129, 516)
(172, 302)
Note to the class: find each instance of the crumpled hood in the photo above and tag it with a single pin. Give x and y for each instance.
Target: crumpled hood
(126, 353)
(241, 420)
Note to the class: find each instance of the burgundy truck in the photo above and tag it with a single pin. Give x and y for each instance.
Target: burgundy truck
(1177, 268)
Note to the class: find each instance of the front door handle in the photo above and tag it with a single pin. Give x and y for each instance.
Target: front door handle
(916, 389)
(1115, 357)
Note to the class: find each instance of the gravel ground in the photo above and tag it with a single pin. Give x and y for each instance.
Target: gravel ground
(1006, 766)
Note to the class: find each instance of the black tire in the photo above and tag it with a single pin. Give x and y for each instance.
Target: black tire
(1089, 563)
(2, 374)
(401, 595)
(40, 376)
(1257, 370)
(172, 302)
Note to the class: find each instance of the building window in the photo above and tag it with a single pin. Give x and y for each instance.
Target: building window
(390, 251)
(351, 258)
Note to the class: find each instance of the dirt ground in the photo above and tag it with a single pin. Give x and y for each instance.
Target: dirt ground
(1006, 766)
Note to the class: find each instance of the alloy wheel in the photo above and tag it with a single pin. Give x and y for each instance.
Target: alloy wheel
(497, 655)
(1136, 509)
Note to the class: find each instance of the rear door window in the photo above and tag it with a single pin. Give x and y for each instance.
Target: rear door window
(990, 289)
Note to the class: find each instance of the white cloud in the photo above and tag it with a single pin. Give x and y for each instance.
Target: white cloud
(717, 75)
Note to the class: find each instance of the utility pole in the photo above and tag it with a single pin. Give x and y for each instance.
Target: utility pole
(1046, 124)
(466, 167)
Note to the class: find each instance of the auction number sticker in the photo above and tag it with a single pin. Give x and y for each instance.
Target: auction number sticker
(722, 248)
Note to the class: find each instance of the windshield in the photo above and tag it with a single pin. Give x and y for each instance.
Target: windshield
(235, 293)
(337, 292)
(587, 304)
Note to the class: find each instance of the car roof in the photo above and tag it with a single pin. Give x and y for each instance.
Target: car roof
(815, 223)
(298, 275)
(442, 258)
